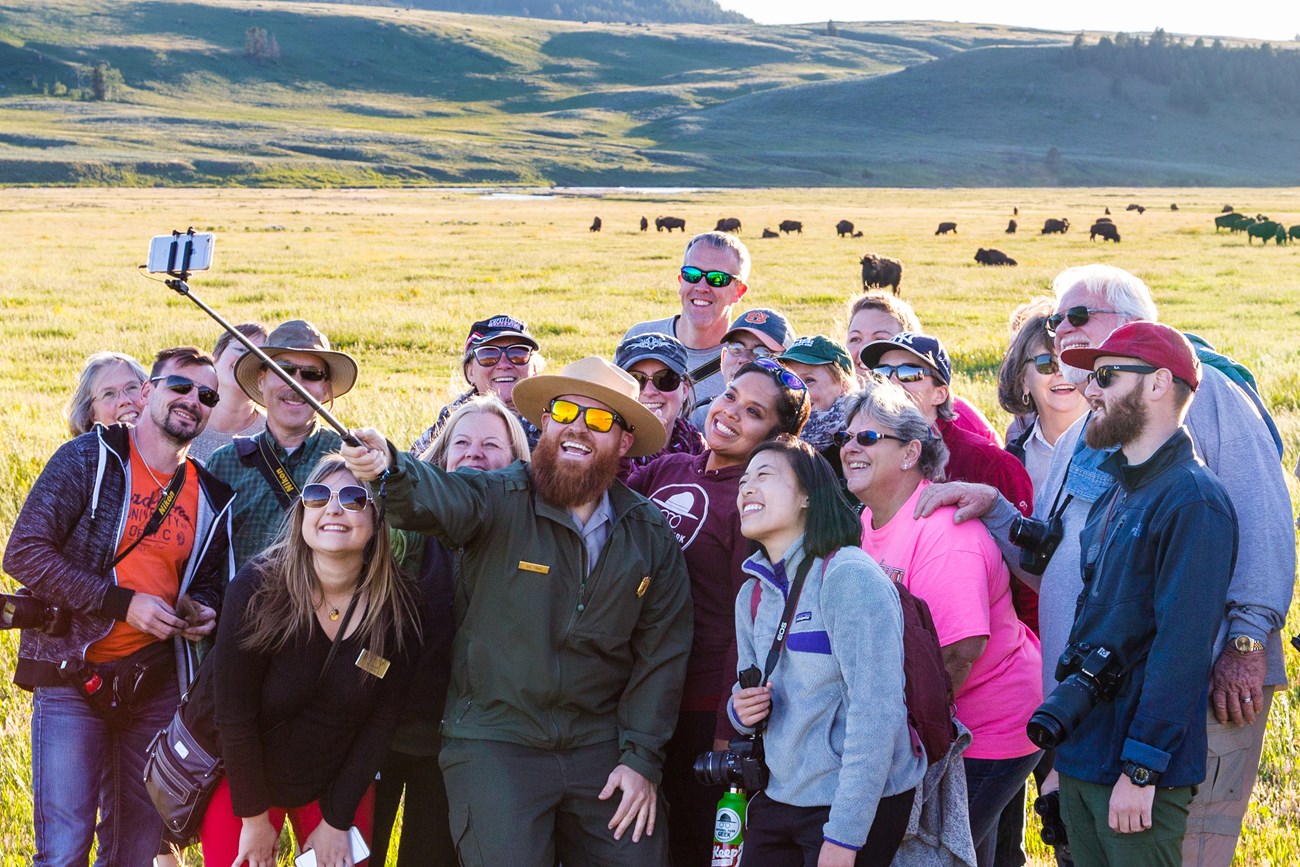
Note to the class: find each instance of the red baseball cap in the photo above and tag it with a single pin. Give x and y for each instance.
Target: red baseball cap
(1156, 344)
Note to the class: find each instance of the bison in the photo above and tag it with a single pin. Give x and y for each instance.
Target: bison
(1173, 207)
(768, 233)
(669, 223)
(843, 228)
(1055, 227)
(993, 257)
(1227, 209)
(1294, 232)
(945, 228)
(857, 234)
(1229, 220)
(1107, 231)
(1264, 231)
(791, 226)
(645, 224)
(1015, 212)
(1103, 220)
(595, 225)
(1138, 208)
(880, 271)
(728, 224)
(1011, 227)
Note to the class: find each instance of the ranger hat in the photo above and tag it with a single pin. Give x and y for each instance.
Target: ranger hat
(600, 380)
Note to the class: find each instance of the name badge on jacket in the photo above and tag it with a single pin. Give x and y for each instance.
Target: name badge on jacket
(373, 663)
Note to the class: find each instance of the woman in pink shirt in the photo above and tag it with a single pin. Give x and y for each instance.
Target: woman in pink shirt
(889, 456)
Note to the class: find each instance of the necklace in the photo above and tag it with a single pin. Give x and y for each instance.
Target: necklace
(147, 468)
(332, 611)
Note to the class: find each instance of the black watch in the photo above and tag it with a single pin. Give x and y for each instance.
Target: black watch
(1139, 775)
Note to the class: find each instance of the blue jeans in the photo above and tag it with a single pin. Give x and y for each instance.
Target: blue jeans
(81, 766)
(990, 784)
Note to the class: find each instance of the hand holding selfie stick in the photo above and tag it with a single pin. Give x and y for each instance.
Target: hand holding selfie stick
(178, 283)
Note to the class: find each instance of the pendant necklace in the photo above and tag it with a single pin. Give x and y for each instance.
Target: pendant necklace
(147, 468)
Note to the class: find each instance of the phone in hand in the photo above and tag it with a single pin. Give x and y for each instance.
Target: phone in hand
(359, 850)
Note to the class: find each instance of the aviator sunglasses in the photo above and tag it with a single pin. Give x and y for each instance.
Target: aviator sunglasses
(904, 372)
(352, 498)
(664, 380)
(179, 384)
(862, 437)
(597, 419)
(716, 279)
(517, 354)
(1078, 317)
(306, 374)
(1105, 374)
(1044, 363)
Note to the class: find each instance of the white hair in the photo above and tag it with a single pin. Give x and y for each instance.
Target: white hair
(1126, 293)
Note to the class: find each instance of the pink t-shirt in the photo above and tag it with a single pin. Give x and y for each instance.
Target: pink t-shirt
(959, 572)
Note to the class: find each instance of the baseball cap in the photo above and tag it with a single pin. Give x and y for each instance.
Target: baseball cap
(923, 346)
(767, 325)
(658, 346)
(1156, 344)
(818, 350)
(498, 326)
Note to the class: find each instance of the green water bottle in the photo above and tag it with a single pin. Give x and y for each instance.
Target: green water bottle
(729, 828)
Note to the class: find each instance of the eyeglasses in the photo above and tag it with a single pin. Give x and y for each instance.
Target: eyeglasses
(597, 419)
(736, 349)
(716, 279)
(664, 380)
(1105, 374)
(179, 384)
(352, 498)
(904, 372)
(489, 356)
(1045, 363)
(306, 374)
(862, 437)
(1078, 317)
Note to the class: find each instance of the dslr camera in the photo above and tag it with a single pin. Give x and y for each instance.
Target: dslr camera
(1088, 675)
(22, 610)
(1037, 541)
(742, 763)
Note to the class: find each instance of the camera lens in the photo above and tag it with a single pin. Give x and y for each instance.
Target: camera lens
(1025, 532)
(1061, 712)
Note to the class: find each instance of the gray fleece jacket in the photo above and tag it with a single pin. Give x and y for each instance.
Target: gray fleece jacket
(838, 731)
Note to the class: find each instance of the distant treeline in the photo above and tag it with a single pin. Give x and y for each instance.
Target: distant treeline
(1198, 75)
(635, 11)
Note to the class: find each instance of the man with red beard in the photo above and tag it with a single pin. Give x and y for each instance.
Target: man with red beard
(1158, 553)
(573, 618)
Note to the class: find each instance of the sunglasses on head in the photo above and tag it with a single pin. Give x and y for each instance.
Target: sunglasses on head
(597, 419)
(1045, 363)
(786, 377)
(1105, 374)
(737, 349)
(179, 384)
(664, 380)
(904, 372)
(352, 498)
(303, 372)
(489, 356)
(862, 437)
(1077, 316)
(716, 279)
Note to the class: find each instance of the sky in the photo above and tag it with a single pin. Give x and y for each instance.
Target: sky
(1278, 20)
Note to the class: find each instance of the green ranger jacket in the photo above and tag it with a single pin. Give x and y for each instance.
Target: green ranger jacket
(545, 655)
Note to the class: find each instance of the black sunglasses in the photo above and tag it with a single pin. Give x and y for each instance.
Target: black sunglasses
(1105, 374)
(1044, 363)
(181, 385)
(716, 279)
(1078, 317)
(490, 356)
(664, 380)
(352, 498)
(303, 372)
(863, 438)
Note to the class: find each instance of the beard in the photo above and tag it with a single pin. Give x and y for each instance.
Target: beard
(1122, 423)
(173, 428)
(563, 484)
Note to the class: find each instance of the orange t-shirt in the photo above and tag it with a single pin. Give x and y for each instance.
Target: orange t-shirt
(156, 564)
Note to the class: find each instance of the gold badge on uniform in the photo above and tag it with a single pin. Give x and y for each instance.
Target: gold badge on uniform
(373, 663)
(534, 567)
(643, 587)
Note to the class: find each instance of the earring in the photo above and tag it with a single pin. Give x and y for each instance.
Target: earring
(1024, 398)
(907, 466)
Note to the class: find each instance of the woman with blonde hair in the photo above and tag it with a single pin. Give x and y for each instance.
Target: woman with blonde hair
(316, 646)
(108, 392)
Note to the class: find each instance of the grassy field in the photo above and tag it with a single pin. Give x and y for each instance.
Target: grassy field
(395, 277)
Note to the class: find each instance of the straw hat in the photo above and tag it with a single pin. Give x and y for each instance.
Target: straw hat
(298, 335)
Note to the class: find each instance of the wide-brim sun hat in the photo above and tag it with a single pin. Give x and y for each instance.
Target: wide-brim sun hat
(297, 335)
(598, 379)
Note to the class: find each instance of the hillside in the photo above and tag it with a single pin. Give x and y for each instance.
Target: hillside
(286, 93)
(628, 11)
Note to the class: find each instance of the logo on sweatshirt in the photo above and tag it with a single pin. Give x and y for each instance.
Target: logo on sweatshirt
(803, 617)
(684, 507)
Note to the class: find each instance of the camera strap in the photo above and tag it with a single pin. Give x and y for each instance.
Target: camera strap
(170, 495)
(707, 369)
(262, 457)
(783, 628)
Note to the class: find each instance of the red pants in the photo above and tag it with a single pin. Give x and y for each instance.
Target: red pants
(220, 832)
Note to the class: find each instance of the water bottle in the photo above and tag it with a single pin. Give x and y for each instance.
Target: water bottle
(729, 828)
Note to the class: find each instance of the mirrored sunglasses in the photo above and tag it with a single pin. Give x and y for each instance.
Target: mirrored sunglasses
(352, 498)
(181, 385)
(597, 419)
(904, 372)
(716, 279)
(490, 356)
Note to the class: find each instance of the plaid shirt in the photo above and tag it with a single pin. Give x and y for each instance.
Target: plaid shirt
(257, 513)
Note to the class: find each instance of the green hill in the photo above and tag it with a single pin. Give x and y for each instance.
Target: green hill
(628, 11)
(289, 94)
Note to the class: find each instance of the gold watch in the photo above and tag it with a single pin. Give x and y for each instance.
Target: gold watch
(1245, 644)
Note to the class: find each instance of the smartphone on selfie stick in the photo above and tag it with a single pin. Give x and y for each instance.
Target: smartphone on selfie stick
(360, 850)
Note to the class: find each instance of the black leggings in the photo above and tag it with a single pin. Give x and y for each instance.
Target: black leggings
(779, 835)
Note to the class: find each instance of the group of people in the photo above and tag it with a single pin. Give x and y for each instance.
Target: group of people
(528, 625)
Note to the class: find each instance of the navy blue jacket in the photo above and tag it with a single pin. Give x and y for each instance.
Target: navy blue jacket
(1159, 548)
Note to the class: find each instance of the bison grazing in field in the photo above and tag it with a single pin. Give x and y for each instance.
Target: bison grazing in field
(1229, 221)
(945, 228)
(791, 226)
(857, 234)
(1011, 227)
(1055, 227)
(645, 224)
(1106, 230)
(1227, 209)
(669, 223)
(1173, 207)
(843, 228)
(768, 233)
(728, 224)
(1103, 220)
(993, 257)
(1294, 232)
(880, 271)
(1138, 208)
(595, 225)
(1264, 231)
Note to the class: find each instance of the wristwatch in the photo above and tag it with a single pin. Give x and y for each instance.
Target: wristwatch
(1139, 775)
(1244, 644)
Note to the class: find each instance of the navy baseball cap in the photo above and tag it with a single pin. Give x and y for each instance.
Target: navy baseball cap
(498, 326)
(652, 344)
(928, 349)
(767, 325)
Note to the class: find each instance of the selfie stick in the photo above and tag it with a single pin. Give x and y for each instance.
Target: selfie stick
(178, 284)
